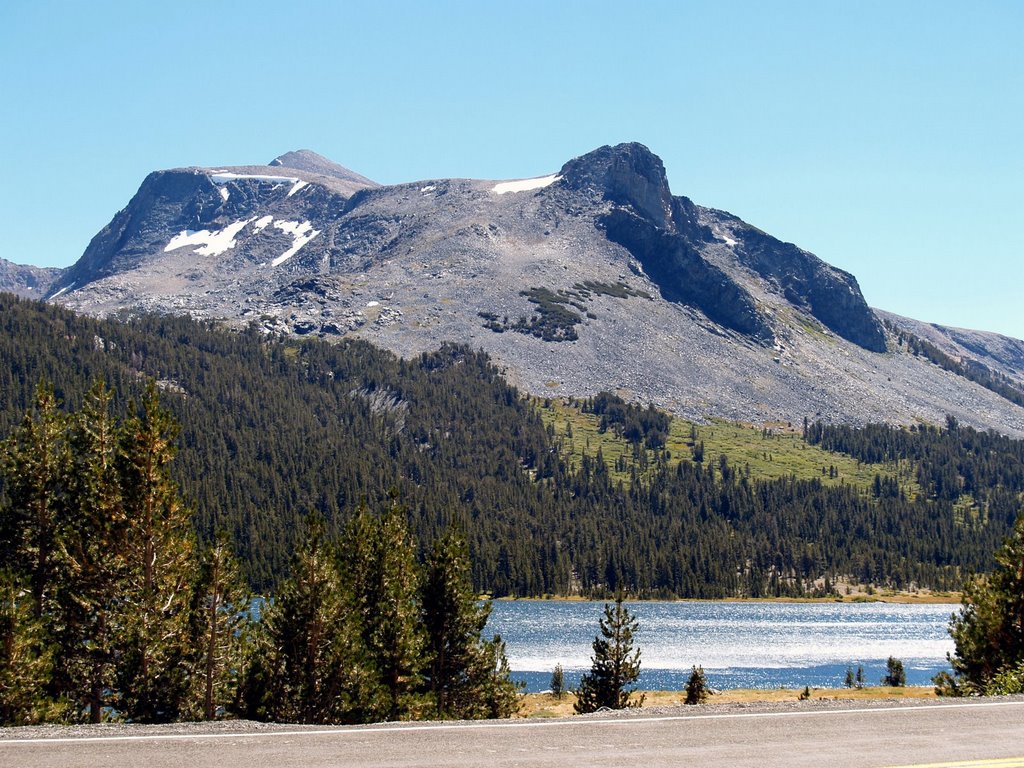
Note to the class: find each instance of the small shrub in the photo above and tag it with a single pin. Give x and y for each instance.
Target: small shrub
(848, 680)
(1007, 681)
(895, 676)
(947, 685)
(557, 682)
(697, 690)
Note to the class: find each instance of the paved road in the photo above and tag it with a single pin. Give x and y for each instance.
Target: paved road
(987, 734)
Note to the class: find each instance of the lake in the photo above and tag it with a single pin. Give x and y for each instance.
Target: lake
(740, 645)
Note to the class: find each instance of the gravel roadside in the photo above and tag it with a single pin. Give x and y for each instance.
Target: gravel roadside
(245, 727)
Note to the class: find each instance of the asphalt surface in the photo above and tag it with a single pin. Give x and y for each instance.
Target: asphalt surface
(980, 734)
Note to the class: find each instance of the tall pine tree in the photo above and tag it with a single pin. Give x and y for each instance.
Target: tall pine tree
(467, 675)
(989, 629)
(615, 664)
(88, 624)
(159, 549)
(308, 663)
(34, 463)
(379, 563)
(220, 611)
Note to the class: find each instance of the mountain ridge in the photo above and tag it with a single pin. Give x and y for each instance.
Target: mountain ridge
(594, 278)
(25, 280)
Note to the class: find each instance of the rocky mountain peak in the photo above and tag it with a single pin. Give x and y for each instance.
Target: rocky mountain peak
(627, 174)
(310, 161)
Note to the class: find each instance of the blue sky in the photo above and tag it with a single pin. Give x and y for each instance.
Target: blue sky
(886, 137)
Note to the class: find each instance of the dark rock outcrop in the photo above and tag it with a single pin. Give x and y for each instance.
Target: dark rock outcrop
(662, 232)
(166, 203)
(627, 174)
(683, 276)
(829, 294)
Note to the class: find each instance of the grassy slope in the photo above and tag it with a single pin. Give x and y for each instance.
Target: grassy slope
(770, 451)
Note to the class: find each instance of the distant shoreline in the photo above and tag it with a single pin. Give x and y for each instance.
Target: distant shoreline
(898, 598)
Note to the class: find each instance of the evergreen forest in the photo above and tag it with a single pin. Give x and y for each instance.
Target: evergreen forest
(111, 609)
(277, 431)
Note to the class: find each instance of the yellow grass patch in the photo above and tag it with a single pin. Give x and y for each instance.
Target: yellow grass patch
(546, 705)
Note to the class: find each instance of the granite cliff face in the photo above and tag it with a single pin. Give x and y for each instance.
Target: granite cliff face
(667, 236)
(595, 277)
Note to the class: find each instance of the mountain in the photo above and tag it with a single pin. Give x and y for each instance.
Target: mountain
(594, 277)
(26, 281)
(307, 160)
(991, 351)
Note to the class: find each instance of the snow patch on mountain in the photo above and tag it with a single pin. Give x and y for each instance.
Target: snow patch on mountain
(63, 290)
(525, 185)
(216, 242)
(301, 234)
(210, 243)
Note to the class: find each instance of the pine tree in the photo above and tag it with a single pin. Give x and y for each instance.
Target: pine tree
(989, 629)
(34, 465)
(848, 680)
(500, 695)
(614, 665)
(220, 610)
(307, 662)
(25, 657)
(159, 553)
(467, 675)
(91, 606)
(453, 620)
(895, 675)
(558, 682)
(379, 564)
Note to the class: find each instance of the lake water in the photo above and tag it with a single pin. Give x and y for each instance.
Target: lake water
(740, 645)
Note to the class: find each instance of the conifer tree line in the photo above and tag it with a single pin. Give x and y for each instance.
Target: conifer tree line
(950, 462)
(109, 606)
(272, 429)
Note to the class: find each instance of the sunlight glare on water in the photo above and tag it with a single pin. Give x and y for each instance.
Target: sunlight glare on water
(740, 645)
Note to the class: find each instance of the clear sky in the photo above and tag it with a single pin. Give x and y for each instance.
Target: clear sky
(886, 137)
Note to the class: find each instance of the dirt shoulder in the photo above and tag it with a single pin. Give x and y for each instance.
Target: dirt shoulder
(546, 705)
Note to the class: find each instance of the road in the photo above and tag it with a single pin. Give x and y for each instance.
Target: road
(979, 734)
